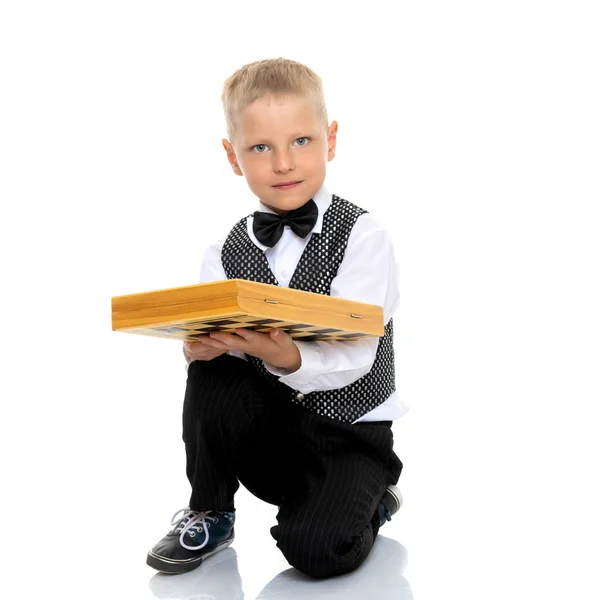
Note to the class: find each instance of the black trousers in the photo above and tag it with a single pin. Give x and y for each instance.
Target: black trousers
(327, 477)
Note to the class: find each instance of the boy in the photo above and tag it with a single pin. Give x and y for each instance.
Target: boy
(304, 425)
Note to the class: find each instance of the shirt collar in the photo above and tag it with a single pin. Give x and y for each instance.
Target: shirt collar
(322, 199)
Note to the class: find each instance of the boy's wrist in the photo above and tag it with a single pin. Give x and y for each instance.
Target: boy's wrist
(292, 361)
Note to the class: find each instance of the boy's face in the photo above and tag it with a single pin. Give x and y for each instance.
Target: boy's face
(281, 140)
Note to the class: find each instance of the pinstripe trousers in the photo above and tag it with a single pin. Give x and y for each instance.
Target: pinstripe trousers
(326, 476)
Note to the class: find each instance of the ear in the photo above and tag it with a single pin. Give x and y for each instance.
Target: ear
(331, 140)
(231, 157)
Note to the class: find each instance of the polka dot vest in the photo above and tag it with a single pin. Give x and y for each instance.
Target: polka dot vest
(317, 267)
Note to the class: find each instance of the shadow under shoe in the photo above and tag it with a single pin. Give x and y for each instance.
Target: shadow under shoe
(218, 579)
(196, 536)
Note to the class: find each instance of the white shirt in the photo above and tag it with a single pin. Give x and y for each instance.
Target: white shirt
(368, 273)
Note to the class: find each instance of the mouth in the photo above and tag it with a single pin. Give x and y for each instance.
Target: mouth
(287, 185)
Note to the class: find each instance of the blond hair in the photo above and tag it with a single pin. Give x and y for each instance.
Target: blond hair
(277, 76)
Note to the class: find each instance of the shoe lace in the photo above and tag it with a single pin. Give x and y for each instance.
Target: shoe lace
(192, 522)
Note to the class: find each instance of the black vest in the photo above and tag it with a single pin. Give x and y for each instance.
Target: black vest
(317, 267)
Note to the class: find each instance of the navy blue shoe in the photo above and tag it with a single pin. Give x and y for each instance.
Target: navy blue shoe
(389, 504)
(196, 536)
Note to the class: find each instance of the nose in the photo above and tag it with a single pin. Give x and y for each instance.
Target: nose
(282, 162)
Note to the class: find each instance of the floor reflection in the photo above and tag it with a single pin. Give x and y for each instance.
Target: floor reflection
(219, 579)
(380, 576)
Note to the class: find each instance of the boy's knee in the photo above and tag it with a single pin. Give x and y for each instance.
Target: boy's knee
(208, 390)
(221, 368)
(319, 552)
(215, 381)
(218, 391)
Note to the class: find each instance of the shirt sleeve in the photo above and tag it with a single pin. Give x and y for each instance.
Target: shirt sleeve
(212, 270)
(368, 273)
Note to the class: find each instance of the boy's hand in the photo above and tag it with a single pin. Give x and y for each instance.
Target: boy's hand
(276, 347)
(200, 351)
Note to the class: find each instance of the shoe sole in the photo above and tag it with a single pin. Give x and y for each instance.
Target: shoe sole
(395, 492)
(172, 566)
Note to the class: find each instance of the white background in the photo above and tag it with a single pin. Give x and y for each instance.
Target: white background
(472, 127)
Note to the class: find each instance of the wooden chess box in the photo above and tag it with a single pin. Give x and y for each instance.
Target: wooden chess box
(187, 312)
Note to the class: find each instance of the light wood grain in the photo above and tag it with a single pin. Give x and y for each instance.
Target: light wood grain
(239, 300)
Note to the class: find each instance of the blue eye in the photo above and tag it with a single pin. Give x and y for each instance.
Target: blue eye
(260, 148)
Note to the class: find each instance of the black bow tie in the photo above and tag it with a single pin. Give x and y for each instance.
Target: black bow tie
(268, 228)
